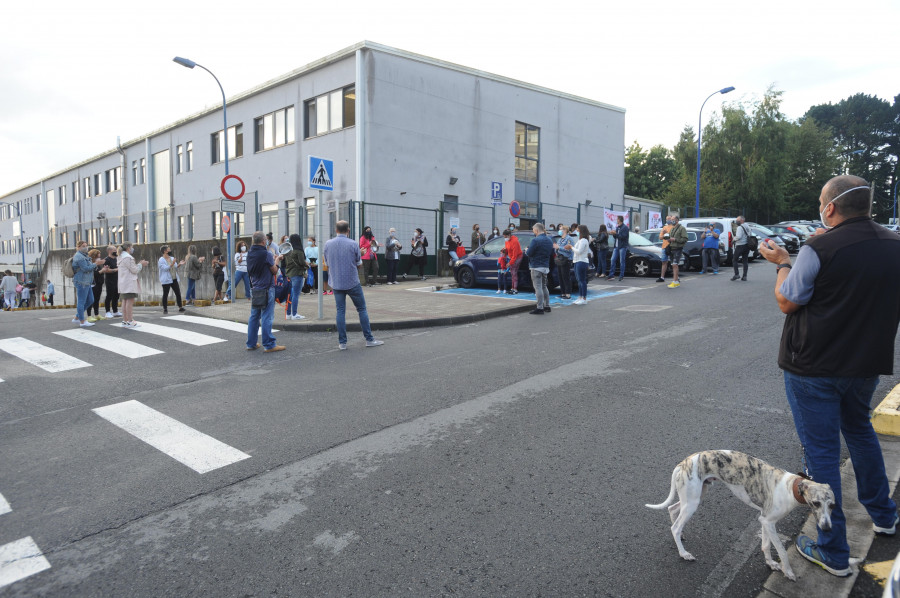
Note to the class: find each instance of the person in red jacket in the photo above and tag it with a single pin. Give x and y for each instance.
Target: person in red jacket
(502, 271)
(514, 251)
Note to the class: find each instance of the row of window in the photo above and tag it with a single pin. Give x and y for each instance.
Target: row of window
(14, 246)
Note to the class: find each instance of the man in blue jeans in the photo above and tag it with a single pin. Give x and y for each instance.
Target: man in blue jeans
(621, 251)
(84, 280)
(842, 315)
(262, 267)
(342, 258)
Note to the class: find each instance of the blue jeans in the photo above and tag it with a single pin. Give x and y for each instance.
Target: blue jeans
(619, 254)
(601, 262)
(262, 316)
(581, 270)
(190, 294)
(825, 408)
(297, 283)
(238, 277)
(359, 302)
(84, 297)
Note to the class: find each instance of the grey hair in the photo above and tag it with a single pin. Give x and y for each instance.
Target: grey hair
(259, 238)
(539, 227)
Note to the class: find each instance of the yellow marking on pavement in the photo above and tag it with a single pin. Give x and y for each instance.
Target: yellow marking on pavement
(879, 571)
(886, 418)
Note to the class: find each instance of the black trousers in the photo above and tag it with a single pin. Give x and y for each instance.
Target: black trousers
(741, 251)
(413, 261)
(165, 298)
(112, 297)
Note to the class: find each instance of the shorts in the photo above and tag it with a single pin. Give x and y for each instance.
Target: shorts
(665, 254)
(128, 295)
(674, 254)
(219, 278)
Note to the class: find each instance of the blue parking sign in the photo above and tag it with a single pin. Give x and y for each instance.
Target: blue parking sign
(496, 190)
(321, 174)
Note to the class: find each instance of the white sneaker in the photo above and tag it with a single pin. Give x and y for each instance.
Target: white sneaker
(579, 302)
(298, 317)
(76, 321)
(342, 346)
(498, 291)
(226, 299)
(109, 314)
(86, 324)
(374, 343)
(117, 314)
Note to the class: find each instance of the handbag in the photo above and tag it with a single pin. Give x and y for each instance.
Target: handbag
(259, 298)
(460, 251)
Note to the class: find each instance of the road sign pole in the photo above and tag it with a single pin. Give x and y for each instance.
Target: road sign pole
(320, 239)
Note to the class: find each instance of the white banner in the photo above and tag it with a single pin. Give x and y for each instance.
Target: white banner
(609, 218)
(655, 220)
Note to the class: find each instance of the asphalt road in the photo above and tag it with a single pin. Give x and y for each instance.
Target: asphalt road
(511, 457)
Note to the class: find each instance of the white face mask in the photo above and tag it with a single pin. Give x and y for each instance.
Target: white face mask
(822, 213)
(243, 250)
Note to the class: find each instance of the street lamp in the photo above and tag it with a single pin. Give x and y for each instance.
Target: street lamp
(21, 234)
(699, 134)
(191, 64)
(895, 200)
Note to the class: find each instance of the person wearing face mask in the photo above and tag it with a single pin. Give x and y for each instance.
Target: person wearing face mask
(128, 285)
(418, 253)
(495, 232)
(194, 265)
(83, 280)
(367, 248)
(112, 284)
(312, 258)
(838, 338)
(477, 237)
(453, 242)
(168, 277)
(564, 255)
(295, 267)
(741, 249)
(392, 249)
(665, 235)
(240, 268)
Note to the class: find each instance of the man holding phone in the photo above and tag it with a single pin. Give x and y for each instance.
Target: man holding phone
(710, 248)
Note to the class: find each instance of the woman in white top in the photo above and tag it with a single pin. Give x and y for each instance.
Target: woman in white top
(240, 268)
(8, 286)
(581, 255)
(128, 282)
(168, 277)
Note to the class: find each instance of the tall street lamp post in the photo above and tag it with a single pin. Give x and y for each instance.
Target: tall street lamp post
(229, 249)
(699, 134)
(21, 234)
(895, 200)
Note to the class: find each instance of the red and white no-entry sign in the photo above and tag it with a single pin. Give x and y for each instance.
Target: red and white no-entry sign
(233, 187)
(226, 223)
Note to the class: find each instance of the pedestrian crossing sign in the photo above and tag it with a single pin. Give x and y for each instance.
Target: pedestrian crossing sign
(321, 174)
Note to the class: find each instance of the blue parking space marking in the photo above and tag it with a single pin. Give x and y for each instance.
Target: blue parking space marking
(555, 300)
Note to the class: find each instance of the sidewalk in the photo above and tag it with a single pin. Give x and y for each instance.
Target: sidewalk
(409, 304)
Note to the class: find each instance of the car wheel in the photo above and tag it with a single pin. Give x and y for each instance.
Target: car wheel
(466, 278)
(641, 267)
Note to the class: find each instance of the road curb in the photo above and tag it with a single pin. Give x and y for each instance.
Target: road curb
(886, 417)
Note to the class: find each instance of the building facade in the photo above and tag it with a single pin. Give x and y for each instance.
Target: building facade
(411, 137)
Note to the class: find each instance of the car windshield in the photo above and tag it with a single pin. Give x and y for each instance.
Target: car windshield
(765, 231)
(637, 240)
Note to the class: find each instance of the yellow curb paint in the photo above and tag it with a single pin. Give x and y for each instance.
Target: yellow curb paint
(879, 571)
(886, 417)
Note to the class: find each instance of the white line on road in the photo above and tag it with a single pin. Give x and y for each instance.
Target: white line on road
(121, 346)
(19, 560)
(4, 506)
(176, 334)
(224, 324)
(41, 356)
(195, 449)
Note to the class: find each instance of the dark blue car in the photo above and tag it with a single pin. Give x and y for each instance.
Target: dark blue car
(480, 266)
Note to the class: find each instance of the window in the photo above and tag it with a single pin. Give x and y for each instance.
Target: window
(143, 170)
(179, 159)
(330, 112)
(76, 191)
(98, 185)
(275, 129)
(527, 152)
(190, 156)
(134, 173)
(62, 195)
(235, 144)
(268, 219)
(87, 187)
(111, 179)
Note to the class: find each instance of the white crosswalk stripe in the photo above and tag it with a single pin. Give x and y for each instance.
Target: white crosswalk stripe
(224, 324)
(191, 447)
(115, 344)
(176, 334)
(20, 559)
(44, 357)
(4, 506)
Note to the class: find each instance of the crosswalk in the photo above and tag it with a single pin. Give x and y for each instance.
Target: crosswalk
(19, 559)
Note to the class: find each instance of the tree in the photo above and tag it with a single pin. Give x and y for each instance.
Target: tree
(648, 174)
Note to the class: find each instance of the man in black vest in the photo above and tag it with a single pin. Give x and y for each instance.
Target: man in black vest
(842, 300)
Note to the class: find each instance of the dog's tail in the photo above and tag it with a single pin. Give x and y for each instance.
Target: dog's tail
(669, 499)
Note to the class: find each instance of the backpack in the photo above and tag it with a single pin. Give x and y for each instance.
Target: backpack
(752, 240)
(67, 269)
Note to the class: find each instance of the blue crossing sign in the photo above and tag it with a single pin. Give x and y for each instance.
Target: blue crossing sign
(321, 174)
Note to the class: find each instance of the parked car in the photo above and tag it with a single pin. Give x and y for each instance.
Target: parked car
(643, 258)
(893, 227)
(802, 233)
(480, 266)
(692, 255)
(762, 233)
(789, 240)
(724, 225)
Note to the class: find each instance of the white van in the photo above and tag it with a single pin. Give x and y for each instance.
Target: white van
(723, 224)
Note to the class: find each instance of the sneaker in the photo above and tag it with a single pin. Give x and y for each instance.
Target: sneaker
(274, 349)
(86, 324)
(109, 314)
(887, 531)
(180, 309)
(515, 291)
(226, 299)
(404, 278)
(715, 271)
(610, 278)
(744, 279)
(621, 278)
(374, 343)
(674, 285)
(76, 321)
(254, 348)
(812, 553)
(579, 302)
(546, 310)
(342, 346)
(298, 317)
(704, 272)
(498, 291)
(735, 277)
(537, 312)
(117, 314)
(660, 279)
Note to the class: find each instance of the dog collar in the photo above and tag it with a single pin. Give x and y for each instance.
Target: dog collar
(795, 488)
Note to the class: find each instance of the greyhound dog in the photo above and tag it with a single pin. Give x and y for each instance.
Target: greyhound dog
(772, 491)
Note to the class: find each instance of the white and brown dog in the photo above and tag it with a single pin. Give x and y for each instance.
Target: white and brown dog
(772, 491)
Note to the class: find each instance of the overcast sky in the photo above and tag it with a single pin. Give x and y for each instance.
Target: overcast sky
(74, 75)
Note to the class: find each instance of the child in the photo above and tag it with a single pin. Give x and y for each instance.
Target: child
(502, 270)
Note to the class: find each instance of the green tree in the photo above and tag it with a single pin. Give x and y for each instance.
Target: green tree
(648, 173)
